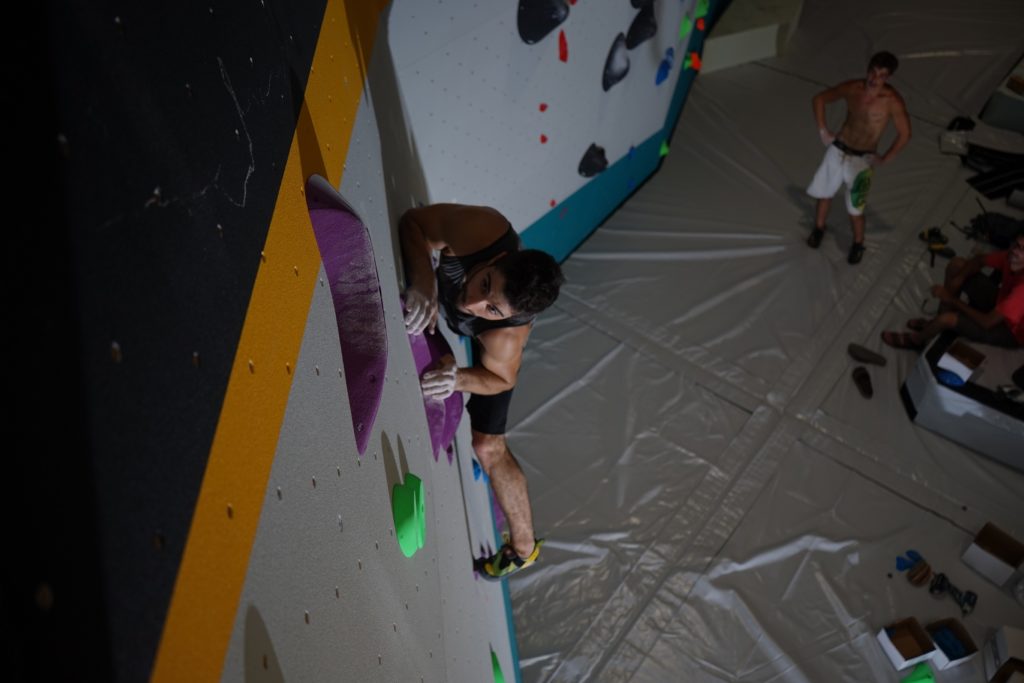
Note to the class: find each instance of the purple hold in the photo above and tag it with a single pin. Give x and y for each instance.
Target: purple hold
(347, 255)
(443, 417)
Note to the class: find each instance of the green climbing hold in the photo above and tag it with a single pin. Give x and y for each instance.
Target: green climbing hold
(664, 148)
(409, 508)
(922, 673)
(702, 8)
(498, 676)
(685, 27)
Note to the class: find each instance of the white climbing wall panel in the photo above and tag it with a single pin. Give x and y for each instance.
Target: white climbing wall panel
(500, 122)
(329, 594)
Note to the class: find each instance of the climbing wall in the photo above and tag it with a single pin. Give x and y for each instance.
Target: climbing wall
(520, 105)
(259, 490)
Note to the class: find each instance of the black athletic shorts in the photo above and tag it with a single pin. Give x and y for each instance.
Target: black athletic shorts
(487, 414)
(982, 293)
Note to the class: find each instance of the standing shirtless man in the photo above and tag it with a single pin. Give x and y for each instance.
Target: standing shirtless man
(850, 157)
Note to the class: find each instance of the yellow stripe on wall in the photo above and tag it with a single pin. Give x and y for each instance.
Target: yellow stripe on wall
(203, 605)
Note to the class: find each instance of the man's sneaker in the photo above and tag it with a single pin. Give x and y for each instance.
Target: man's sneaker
(814, 239)
(856, 253)
(506, 561)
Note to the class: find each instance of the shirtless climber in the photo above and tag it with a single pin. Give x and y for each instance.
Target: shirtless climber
(490, 290)
(851, 158)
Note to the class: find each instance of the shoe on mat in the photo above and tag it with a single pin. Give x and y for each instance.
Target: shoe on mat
(506, 561)
(901, 340)
(917, 324)
(933, 236)
(863, 354)
(814, 239)
(856, 253)
(863, 381)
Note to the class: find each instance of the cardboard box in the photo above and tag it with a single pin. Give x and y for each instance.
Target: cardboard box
(994, 554)
(961, 359)
(906, 643)
(939, 631)
(1004, 655)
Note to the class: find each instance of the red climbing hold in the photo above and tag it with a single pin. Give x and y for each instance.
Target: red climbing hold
(563, 47)
(700, 24)
(695, 61)
(543, 106)
(553, 202)
(543, 138)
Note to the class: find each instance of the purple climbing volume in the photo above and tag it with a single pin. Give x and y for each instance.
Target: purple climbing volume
(347, 254)
(442, 416)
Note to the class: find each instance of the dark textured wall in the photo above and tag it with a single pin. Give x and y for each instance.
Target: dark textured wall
(157, 137)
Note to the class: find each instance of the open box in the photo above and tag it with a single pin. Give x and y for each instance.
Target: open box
(906, 643)
(994, 554)
(953, 644)
(1004, 656)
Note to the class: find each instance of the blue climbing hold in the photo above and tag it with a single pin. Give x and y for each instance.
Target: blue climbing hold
(904, 563)
(665, 67)
(477, 470)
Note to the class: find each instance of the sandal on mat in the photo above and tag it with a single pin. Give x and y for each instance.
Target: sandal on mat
(865, 355)
(902, 340)
(863, 381)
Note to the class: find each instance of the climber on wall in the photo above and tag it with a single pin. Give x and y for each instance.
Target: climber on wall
(490, 291)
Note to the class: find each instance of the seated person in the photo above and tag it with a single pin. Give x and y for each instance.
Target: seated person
(995, 314)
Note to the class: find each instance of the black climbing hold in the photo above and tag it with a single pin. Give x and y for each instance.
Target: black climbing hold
(643, 27)
(537, 18)
(593, 162)
(616, 66)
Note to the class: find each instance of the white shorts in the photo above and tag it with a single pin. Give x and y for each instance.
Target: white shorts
(838, 168)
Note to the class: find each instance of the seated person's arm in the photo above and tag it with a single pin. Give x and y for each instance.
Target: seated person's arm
(500, 361)
(971, 267)
(986, 320)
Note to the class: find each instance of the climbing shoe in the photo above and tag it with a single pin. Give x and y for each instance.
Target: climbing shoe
(506, 561)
